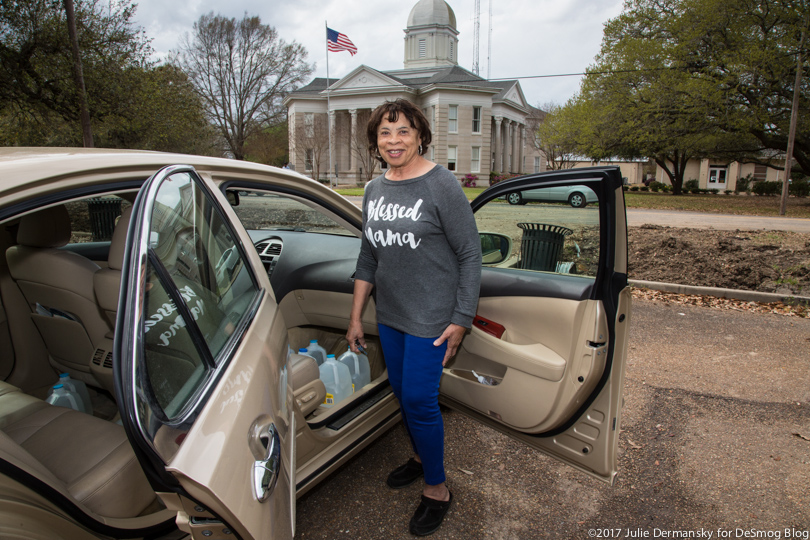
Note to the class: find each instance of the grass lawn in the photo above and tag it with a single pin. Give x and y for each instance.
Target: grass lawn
(751, 205)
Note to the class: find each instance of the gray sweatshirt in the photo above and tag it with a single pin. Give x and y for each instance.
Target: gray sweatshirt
(422, 253)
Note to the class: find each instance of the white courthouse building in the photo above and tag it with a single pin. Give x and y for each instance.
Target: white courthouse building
(477, 125)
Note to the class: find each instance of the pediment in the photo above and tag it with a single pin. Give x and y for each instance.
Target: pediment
(515, 95)
(365, 77)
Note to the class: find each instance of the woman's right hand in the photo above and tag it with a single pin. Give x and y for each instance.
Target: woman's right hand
(354, 335)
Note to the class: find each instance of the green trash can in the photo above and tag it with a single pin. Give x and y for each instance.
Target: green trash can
(103, 213)
(541, 246)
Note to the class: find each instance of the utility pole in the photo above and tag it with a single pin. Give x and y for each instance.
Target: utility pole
(794, 113)
(78, 75)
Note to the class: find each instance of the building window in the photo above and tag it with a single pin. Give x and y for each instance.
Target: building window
(451, 158)
(476, 127)
(308, 159)
(309, 125)
(717, 175)
(422, 48)
(452, 119)
(475, 160)
(537, 164)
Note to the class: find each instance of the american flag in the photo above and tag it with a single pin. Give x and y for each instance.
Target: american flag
(337, 42)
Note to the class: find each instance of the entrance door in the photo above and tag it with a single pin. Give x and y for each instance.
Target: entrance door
(717, 178)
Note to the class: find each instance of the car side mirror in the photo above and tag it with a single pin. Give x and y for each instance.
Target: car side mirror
(233, 197)
(495, 248)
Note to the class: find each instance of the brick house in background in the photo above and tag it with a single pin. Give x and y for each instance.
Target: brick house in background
(477, 125)
(723, 175)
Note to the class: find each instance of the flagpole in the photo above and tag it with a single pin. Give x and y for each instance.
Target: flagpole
(328, 106)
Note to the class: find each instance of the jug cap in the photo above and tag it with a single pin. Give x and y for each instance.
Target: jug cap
(57, 386)
(302, 350)
(313, 341)
(330, 356)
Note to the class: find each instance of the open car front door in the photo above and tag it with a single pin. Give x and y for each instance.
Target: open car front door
(544, 361)
(201, 364)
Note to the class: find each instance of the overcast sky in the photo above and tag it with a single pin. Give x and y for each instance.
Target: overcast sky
(529, 37)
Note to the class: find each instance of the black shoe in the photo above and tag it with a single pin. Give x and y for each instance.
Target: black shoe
(405, 475)
(429, 516)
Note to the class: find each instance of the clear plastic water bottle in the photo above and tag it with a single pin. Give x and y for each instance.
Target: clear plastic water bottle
(337, 380)
(62, 397)
(358, 368)
(316, 351)
(78, 388)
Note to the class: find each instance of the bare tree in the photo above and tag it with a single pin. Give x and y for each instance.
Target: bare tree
(311, 143)
(242, 70)
(553, 136)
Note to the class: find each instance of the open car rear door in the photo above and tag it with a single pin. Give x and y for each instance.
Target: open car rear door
(544, 361)
(201, 364)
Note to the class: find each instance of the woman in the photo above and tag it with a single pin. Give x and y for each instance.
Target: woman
(422, 253)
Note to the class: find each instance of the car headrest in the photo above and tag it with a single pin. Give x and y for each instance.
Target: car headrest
(47, 228)
(115, 259)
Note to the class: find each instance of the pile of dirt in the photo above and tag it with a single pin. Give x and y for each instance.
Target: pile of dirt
(765, 261)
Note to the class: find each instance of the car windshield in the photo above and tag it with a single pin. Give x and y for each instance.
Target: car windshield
(260, 210)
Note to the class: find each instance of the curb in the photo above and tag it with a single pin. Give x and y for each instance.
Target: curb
(736, 294)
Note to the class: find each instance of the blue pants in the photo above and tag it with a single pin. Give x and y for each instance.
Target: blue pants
(414, 369)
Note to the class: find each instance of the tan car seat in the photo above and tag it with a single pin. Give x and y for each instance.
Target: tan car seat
(58, 286)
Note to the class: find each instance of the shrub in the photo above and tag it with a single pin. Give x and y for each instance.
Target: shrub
(657, 185)
(654, 189)
(469, 180)
(691, 185)
(633, 188)
(766, 188)
(714, 191)
(644, 188)
(728, 192)
(625, 188)
(799, 187)
(667, 188)
(744, 184)
(495, 177)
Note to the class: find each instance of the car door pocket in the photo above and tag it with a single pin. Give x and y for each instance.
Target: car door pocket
(66, 340)
(478, 376)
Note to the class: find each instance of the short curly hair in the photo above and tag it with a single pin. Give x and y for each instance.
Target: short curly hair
(390, 110)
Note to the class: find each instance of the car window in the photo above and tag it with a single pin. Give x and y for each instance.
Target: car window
(259, 210)
(197, 289)
(93, 219)
(538, 235)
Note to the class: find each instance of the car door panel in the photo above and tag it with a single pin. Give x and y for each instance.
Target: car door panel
(553, 377)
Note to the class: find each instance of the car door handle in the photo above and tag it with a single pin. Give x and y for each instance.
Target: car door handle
(265, 471)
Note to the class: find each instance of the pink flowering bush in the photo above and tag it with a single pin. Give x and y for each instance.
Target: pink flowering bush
(469, 180)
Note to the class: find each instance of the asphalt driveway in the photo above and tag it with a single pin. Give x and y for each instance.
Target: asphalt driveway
(714, 441)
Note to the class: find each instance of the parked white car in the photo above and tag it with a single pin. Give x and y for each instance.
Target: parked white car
(576, 196)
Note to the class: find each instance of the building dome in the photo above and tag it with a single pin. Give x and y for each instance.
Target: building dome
(432, 13)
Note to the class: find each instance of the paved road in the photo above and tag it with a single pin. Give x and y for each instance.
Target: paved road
(707, 443)
(699, 220)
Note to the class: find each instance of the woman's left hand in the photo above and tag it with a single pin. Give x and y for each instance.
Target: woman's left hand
(452, 335)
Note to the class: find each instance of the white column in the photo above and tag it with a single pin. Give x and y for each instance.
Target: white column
(522, 167)
(507, 166)
(353, 140)
(498, 150)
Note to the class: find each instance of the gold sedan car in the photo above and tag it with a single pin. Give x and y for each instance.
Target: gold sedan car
(179, 289)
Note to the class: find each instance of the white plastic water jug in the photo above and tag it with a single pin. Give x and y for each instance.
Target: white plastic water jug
(316, 351)
(337, 380)
(358, 367)
(78, 388)
(62, 397)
